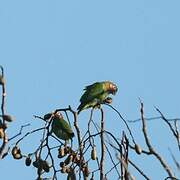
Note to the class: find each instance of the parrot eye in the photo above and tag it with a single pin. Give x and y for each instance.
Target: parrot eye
(115, 87)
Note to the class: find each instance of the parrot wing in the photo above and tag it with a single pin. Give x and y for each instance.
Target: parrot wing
(92, 92)
(62, 129)
(65, 126)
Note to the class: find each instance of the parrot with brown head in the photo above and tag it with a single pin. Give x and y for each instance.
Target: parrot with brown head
(96, 94)
(61, 127)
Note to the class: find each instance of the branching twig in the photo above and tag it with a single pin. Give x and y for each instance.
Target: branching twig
(28, 133)
(20, 132)
(125, 166)
(174, 131)
(150, 147)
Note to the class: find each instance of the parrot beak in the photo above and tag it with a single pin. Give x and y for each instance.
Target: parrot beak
(108, 100)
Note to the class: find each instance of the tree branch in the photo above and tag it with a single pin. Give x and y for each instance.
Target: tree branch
(150, 147)
(5, 138)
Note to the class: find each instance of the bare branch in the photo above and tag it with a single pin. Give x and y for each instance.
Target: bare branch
(150, 147)
(174, 159)
(174, 131)
(5, 138)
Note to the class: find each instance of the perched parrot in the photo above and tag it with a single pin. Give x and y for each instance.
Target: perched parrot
(61, 128)
(96, 94)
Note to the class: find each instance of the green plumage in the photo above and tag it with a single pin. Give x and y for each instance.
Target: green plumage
(96, 94)
(61, 128)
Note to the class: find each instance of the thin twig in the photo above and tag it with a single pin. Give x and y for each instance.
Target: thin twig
(153, 118)
(135, 166)
(28, 133)
(168, 123)
(123, 121)
(102, 146)
(174, 131)
(174, 159)
(89, 127)
(125, 166)
(79, 139)
(125, 146)
(138, 169)
(177, 132)
(20, 131)
(114, 165)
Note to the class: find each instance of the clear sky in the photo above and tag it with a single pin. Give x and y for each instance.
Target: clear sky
(51, 49)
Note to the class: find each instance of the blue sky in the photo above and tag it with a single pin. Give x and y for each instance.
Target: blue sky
(51, 49)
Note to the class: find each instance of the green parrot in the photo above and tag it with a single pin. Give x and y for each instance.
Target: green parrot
(61, 128)
(96, 94)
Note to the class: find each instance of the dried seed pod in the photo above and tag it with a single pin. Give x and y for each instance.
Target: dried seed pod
(16, 152)
(68, 169)
(61, 152)
(2, 80)
(2, 134)
(47, 116)
(8, 118)
(138, 149)
(17, 156)
(71, 175)
(93, 153)
(45, 166)
(67, 150)
(63, 170)
(28, 161)
(77, 159)
(3, 125)
(86, 171)
(75, 155)
(62, 164)
(37, 163)
(69, 159)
